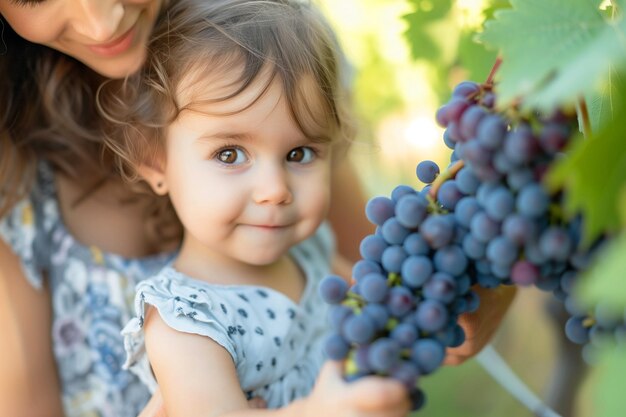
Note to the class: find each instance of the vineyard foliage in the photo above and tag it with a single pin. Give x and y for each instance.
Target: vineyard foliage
(558, 54)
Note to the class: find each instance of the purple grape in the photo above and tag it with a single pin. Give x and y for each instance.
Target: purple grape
(405, 334)
(336, 347)
(400, 191)
(384, 354)
(501, 251)
(372, 248)
(450, 259)
(358, 329)
(470, 121)
(500, 203)
(379, 209)
(532, 201)
(400, 301)
(483, 228)
(363, 267)
(431, 316)
(437, 231)
(427, 171)
(449, 194)
(440, 287)
(576, 331)
(490, 132)
(393, 258)
(416, 270)
(466, 181)
(333, 289)
(428, 355)
(373, 288)
(378, 313)
(414, 244)
(393, 232)
(524, 273)
(411, 210)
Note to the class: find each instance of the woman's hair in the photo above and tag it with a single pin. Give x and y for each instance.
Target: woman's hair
(200, 41)
(48, 112)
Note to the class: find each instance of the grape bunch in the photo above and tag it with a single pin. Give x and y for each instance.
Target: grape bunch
(516, 231)
(486, 220)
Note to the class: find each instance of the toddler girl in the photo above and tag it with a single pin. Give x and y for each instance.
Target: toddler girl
(238, 117)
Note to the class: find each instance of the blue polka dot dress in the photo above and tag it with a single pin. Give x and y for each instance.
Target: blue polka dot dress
(276, 344)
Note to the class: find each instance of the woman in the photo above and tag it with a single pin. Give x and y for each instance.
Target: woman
(73, 238)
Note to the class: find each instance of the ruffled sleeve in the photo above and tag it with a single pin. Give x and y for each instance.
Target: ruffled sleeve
(26, 228)
(182, 306)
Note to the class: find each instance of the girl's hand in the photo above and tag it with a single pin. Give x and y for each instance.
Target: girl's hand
(368, 397)
(155, 408)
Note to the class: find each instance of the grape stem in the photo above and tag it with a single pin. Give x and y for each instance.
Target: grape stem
(496, 366)
(493, 71)
(583, 113)
(445, 176)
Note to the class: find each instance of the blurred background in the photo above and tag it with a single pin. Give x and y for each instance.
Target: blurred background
(405, 57)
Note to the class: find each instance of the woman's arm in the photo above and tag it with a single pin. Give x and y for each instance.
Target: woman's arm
(347, 210)
(29, 384)
(197, 377)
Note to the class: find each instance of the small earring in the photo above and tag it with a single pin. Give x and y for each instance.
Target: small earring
(159, 185)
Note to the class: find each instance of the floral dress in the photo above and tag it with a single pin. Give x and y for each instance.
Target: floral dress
(276, 343)
(92, 298)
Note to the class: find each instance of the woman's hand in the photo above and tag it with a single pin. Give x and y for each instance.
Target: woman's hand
(155, 407)
(368, 397)
(481, 325)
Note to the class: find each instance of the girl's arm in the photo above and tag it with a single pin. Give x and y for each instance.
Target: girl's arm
(29, 384)
(197, 377)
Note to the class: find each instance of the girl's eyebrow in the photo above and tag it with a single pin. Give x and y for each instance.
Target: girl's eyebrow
(224, 135)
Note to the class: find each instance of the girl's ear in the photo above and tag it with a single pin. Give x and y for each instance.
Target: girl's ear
(154, 175)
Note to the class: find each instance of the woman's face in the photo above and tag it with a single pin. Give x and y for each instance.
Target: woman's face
(110, 36)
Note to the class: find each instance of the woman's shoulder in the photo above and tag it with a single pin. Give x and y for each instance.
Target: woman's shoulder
(26, 227)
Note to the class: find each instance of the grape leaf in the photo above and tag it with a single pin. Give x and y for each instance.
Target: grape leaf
(594, 174)
(609, 400)
(602, 102)
(605, 282)
(553, 51)
(423, 44)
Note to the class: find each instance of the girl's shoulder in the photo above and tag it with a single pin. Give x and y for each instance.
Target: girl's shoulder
(27, 227)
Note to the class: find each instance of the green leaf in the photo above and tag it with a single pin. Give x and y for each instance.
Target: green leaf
(593, 174)
(553, 51)
(602, 103)
(609, 399)
(475, 58)
(605, 282)
(424, 45)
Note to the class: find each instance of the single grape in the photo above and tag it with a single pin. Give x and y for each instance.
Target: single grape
(379, 209)
(333, 289)
(431, 316)
(428, 355)
(450, 259)
(358, 329)
(427, 171)
(336, 347)
(393, 232)
(416, 270)
(393, 258)
(372, 248)
(384, 354)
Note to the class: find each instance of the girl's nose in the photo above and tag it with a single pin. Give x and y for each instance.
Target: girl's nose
(272, 186)
(98, 20)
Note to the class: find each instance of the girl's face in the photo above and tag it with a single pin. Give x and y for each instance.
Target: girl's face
(249, 185)
(109, 36)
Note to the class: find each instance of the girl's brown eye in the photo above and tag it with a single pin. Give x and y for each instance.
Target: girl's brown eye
(296, 155)
(231, 156)
(303, 155)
